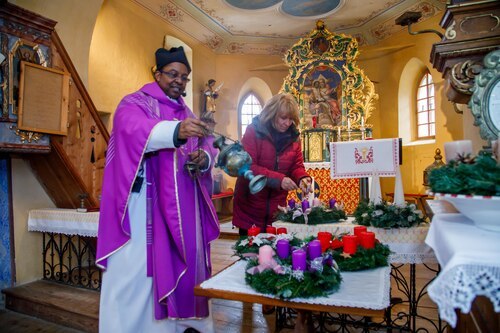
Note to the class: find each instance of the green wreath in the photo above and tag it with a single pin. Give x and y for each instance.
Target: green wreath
(363, 258)
(317, 215)
(473, 176)
(387, 215)
(312, 283)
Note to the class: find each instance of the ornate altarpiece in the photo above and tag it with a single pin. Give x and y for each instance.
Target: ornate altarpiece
(334, 95)
(335, 99)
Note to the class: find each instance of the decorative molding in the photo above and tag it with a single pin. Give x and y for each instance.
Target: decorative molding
(462, 75)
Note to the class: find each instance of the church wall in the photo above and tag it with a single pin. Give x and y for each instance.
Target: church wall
(27, 194)
(384, 64)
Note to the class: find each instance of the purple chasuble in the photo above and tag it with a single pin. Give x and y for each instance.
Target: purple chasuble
(172, 236)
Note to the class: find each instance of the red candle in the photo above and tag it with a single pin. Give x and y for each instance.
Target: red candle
(253, 231)
(368, 240)
(271, 230)
(350, 243)
(324, 238)
(282, 231)
(358, 230)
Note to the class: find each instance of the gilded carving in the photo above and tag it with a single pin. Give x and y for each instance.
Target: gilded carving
(26, 135)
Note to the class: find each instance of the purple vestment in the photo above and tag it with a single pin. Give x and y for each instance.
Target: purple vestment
(172, 233)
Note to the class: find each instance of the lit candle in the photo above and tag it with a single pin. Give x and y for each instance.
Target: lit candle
(332, 202)
(283, 248)
(305, 205)
(358, 230)
(291, 203)
(350, 243)
(314, 249)
(266, 253)
(281, 231)
(271, 230)
(368, 240)
(454, 149)
(253, 231)
(299, 260)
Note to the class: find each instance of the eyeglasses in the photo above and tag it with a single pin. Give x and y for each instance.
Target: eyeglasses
(174, 76)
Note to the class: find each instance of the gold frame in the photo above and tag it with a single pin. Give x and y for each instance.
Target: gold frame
(324, 52)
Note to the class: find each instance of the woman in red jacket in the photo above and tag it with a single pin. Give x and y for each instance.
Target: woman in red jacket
(272, 140)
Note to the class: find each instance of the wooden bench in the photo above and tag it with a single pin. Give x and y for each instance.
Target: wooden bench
(225, 213)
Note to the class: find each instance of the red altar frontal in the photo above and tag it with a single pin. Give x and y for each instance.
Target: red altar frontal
(343, 190)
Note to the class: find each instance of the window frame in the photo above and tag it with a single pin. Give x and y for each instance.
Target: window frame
(240, 109)
(428, 85)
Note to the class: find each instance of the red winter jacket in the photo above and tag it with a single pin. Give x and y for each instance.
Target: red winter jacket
(275, 160)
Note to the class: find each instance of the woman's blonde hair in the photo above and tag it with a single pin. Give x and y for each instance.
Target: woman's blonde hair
(283, 101)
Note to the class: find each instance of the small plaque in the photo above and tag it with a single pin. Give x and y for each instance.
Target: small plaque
(43, 99)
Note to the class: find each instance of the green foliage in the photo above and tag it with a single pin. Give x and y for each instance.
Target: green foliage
(313, 283)
(363, 258)
(317, 215)
(387, 215)
(479, 176)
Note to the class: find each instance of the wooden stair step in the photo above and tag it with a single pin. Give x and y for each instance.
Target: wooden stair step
(58, 303)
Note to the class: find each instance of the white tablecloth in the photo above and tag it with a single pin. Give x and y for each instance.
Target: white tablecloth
(407, 244)
(63, 221)
(470, 264)
(366, 289)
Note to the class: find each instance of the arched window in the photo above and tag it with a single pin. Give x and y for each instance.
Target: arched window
(250, 107)
(426, 105)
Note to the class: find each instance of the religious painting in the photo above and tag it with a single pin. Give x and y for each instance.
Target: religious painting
(321, 97)
(332, 92)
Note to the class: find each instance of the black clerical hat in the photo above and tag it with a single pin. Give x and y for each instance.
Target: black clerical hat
(175, 54)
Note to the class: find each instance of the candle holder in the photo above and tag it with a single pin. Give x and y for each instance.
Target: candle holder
(235, 161)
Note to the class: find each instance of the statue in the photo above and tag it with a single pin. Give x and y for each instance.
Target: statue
(211, 93)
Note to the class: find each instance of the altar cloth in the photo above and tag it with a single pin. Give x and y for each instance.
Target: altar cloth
(470, 265)
(63, 221)
(369, 289)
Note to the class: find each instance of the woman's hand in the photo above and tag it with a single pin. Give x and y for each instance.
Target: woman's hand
(305, 185)
(288, 184)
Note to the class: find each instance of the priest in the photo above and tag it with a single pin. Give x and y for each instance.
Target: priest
(157, 218)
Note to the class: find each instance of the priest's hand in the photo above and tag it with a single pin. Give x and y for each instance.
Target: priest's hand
(190, 127)
(199, 157)
(288, 184)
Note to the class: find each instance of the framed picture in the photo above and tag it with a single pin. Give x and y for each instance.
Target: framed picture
(43, 99)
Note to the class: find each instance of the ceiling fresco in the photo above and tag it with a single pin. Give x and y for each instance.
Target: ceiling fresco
(272, 26)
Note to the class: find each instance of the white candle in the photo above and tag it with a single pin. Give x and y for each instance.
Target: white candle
(454, 149)
(310, 196)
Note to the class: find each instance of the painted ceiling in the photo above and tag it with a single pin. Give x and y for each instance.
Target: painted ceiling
(272, 26)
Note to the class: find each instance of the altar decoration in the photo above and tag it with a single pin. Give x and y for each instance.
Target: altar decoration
(388, 215)
(472, 185)
(291, 271)
(311, 214)
(289, 267)
(467, 175)
(369, 158)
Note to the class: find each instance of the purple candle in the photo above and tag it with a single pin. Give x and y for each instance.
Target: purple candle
(283, 248)
(314, 249)
(305, 204)
(332, 202)
(291, 203)
(299, 260)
